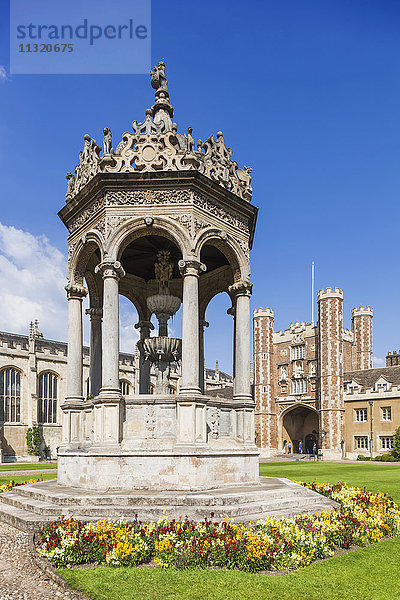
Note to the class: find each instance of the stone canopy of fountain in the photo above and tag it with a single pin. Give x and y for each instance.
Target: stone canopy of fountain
(162, 350)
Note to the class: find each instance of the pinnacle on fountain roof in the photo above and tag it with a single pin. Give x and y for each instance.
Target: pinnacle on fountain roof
(156, 145)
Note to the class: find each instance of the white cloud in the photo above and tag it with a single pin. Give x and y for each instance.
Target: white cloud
(128, 335)
(32, 280)
(378, 362)
(3, 73)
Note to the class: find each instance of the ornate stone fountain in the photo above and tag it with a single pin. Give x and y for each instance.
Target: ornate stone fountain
(162, 350)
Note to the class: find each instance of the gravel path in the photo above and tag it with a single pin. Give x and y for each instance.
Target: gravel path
(20, 578)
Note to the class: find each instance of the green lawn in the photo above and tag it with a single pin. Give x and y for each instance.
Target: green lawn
(22, 478)
(39, 466)
(365, 574)
(375, 477)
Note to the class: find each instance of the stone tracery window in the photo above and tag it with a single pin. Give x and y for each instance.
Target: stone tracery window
(10, 395)
(299, 352)
(124, 387)
(47, 398)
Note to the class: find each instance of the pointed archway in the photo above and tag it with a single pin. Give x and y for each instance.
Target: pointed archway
(300, 424)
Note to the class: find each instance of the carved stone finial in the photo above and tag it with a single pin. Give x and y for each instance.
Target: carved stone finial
(70, 177)
(107, 141)
(158, 79)
(161, 111)
(190, 140)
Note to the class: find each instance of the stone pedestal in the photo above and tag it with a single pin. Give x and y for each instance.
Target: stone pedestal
(158, 443)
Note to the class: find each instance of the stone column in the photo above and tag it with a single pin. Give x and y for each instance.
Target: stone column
(144, 365)
(75, 294)
(95, 315)
(241, 292)
(231, 312)
(202, 325)
(190, 270)
(111, 272)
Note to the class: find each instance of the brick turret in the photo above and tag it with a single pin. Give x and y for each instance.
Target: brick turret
(362, 328)
(331, 405)
(393, 359)
(266, 418)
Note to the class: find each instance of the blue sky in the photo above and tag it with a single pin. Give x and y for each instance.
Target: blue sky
(307, 93)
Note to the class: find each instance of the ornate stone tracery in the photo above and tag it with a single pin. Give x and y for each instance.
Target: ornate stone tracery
(156, 145)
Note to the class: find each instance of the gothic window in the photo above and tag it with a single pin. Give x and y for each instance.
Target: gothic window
(299, 386)
(386, 442)
(10, 395)
(171, 390)
(299, 352)
(361, 414)
(387, 413)
(47, 398)
(361, 442)
(124, 387)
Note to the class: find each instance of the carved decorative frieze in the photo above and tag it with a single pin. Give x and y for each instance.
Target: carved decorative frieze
(85, 215)
(115, 198)
(214, 209)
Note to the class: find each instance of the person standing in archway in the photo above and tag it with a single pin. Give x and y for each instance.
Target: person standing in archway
(300, 447)
(289, 448)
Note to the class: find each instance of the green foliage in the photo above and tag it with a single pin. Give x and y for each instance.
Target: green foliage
(378, 458)
(388, 458)
(396, 444)
(33, 440)
(362, 457)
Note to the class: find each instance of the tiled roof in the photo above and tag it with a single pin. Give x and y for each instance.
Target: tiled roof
(369, 377)
(226, 392)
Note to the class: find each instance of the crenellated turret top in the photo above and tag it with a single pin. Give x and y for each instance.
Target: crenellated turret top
(156, 145)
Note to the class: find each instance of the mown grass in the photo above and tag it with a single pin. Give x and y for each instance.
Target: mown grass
(39, 466)
(375, 477)
(365, 574)
(23, 478)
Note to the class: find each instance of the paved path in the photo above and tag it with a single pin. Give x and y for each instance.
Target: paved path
(32, 473)
(20, 578)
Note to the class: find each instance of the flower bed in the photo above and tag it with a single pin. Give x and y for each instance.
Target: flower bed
(270, 544)
(9, 486)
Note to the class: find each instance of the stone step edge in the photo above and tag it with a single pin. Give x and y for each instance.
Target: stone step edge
(41, 508)
(206, 500)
